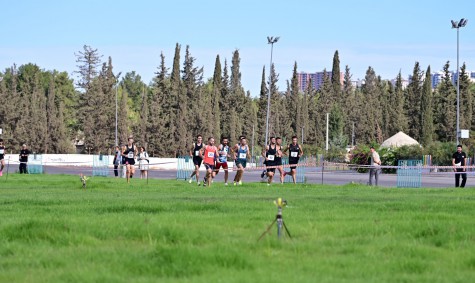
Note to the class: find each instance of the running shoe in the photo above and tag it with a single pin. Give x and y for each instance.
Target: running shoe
(263, 174)
(190, 181)
(225, 184)
(240, 183)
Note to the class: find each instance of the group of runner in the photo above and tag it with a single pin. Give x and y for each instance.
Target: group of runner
(216, 157)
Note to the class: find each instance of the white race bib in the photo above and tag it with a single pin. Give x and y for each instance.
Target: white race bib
(242, 155)
(294, 154)
(197, 153)
(2, 151)
(458, 164)
(270, 157)
(130, 155)
(210, 154)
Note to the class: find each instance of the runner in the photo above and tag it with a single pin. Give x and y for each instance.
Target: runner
(223, 151)
(209, 153)
(2, 156)
(278, 158)
(295, 153)
(195, 154)
(241, 153)
(129, 154)
(269, 154)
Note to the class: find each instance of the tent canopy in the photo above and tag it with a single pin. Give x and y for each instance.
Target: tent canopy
(399, 140)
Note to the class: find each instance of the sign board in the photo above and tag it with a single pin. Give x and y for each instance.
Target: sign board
(464, 134)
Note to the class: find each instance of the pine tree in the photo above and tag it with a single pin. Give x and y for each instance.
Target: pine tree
(427, 110)
(369, 122)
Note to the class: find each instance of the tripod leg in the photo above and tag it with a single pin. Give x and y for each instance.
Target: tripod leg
(286, 230)
(266, 231)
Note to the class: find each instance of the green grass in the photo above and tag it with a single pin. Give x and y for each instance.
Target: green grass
(170, 231)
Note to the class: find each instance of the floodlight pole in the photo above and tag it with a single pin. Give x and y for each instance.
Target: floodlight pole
(458, 25)
(270, 40)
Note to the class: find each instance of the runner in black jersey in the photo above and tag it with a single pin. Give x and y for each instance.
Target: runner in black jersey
(2, 156)
(195, 154)
(278, 158)
(129, 154)
(295, 153)
(270, 154)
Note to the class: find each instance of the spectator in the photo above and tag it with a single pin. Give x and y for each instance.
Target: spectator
(375, 166)
(143, 162)
(24, 152)
(117, 160)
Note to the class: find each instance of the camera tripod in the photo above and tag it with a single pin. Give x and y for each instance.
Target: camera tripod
(280, 225)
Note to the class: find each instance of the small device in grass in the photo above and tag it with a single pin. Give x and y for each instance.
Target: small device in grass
(83, 179)
(280, 203)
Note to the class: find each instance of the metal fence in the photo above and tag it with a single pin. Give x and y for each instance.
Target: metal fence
(409, 173)
(35, 164)
(100, 165)
(184, 167)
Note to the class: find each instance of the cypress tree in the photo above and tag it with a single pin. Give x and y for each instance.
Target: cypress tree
(216, 96)
(262, 110)
(413, 103)
(427, 110)
(466, 100)
(446, 107)
(335, 79)
(293, 104)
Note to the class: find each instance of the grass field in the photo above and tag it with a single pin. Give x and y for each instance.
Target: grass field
(171, 231)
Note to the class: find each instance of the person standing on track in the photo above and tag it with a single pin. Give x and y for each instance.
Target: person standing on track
(129, 153)
(24, 153)
(241, 153)
(209, 153)
(223, 151)
(295, 152)
(375, 166)
(458, 161)
(195, 154)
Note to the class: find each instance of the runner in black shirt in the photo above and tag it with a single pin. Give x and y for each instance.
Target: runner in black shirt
(24, 152)
(458, 160)
(2, 156)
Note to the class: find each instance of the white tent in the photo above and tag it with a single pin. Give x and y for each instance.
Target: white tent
(399, 140)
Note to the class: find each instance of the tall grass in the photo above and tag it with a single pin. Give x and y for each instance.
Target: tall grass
(170, 231)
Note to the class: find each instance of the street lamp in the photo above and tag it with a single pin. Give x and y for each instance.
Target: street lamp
(458, 25)
(270, 40)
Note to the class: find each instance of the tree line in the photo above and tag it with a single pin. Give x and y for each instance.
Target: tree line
(51, 112)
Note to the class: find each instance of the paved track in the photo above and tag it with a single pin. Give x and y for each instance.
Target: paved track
(336, 178)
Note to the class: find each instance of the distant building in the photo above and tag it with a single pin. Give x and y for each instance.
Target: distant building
(404, 83)
(315, 79)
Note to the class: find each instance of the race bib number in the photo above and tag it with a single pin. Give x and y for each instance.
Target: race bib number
(130, 155)
(197, 153)
(211, 154)
(270, 157)
(294, 154)
(2, 151)
(242, 155)
(458, 164)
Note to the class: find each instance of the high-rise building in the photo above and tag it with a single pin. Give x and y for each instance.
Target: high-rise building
(315, 79)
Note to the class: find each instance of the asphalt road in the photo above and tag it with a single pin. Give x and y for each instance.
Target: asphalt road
(432, 180)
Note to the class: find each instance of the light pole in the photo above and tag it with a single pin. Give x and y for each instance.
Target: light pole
(458, 25)
(270, 40)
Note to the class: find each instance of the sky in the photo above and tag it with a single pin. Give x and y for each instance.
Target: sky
(389, 36)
